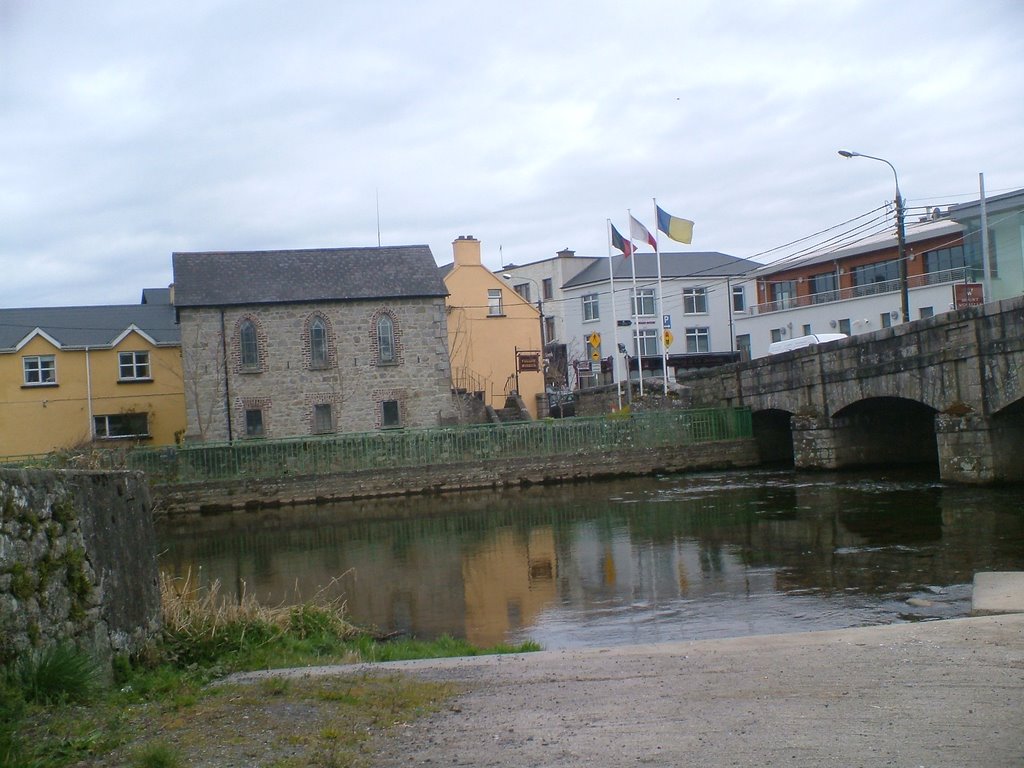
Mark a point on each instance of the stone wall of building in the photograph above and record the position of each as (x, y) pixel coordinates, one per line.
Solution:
(214, 496)
(287, 387)
(77, 561)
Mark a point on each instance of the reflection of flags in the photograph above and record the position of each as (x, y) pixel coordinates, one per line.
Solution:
(621, 243)
(638, 231)
(680, 230)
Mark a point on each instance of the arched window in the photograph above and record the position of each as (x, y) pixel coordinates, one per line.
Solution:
(318, 343)
(385, 339)
(249, 348)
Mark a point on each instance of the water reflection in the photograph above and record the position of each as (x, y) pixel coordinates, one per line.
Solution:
(645, 560)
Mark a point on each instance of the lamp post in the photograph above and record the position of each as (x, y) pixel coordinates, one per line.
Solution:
(901, 238)
(540, 304)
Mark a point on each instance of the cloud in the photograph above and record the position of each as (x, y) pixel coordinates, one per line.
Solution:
(136, 129)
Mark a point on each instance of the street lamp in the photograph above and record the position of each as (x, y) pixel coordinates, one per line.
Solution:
(540, 304)
(901, 238)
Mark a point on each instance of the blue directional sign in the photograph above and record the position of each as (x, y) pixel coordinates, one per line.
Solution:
(666, 320)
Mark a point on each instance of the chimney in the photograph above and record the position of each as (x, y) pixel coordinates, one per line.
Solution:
(565, 253)
(467, 251)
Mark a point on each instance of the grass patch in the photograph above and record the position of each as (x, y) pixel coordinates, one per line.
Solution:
(159, 712)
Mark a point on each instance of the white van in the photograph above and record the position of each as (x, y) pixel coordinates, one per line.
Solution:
(803, 341)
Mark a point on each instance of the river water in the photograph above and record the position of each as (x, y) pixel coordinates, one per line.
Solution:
(633, 561)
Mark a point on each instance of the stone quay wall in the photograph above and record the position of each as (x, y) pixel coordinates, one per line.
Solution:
(77, 562)
(216, 496)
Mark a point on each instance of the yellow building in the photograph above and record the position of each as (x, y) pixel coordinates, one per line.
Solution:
(71, 376)
(493, 333)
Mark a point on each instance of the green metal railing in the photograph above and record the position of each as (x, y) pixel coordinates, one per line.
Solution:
(439, 446)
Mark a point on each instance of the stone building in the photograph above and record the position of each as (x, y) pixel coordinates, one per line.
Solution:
(312, 342)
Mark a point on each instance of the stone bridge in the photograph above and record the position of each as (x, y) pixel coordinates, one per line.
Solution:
(948, 390)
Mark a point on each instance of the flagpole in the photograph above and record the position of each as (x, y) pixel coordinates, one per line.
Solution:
(661, 306)
(615, 324)
(636, 319)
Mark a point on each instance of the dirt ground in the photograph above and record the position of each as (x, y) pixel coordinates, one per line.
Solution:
(943, 693)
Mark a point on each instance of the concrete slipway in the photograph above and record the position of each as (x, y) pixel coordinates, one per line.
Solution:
(942, 693)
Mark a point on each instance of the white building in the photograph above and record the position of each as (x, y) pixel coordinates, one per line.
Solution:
(700, 299)
(856, 289)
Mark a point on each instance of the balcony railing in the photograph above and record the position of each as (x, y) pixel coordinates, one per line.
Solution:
(958, 275)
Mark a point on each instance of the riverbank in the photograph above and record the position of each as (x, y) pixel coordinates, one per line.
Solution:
(272, 490)
(942, 693)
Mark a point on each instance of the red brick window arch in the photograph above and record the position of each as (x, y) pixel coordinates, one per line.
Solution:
(249, 345)
(385, 338)
(318, 347)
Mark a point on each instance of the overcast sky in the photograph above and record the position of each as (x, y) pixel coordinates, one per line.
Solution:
(130, 130)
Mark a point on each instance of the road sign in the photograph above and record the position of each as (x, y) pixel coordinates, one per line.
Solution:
(668, 337)
(595, 355)
(595, 340)
(666, 320)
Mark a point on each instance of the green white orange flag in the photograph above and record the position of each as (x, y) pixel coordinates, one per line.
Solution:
(618, 241)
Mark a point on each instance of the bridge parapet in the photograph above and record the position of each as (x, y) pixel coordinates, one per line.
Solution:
(966, 367)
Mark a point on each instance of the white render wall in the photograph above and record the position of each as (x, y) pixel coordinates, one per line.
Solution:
(716, 319)
(864, 313)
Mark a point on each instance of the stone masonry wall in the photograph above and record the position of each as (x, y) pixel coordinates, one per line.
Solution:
(77, 561)
(251, 494)
(287, 387)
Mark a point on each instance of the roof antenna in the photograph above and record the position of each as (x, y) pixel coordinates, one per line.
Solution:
(501, 256)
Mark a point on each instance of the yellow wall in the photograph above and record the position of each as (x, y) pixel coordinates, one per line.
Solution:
(484, 345)
(40, 419)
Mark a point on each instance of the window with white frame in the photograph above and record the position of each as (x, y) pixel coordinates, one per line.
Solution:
(591, 308)
(743, 346)
(39, 370)
(695, 301)
(121, 425)
(133, 366)
(698, 340)
(494, 308)
(643, 302)
(739, 299)
(647, 343)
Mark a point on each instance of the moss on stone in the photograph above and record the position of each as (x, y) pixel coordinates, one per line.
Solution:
(22, 584)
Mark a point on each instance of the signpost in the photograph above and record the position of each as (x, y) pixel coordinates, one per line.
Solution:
(968, 295)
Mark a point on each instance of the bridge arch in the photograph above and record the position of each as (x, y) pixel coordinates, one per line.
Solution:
(884, 431)
(773, 432)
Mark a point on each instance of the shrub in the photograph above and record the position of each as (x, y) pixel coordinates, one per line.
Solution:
(156, 756)
(60, 673)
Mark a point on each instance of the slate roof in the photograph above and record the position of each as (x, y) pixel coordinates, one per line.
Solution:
(156, 295)
(694, 264)
(323, 274)
(79, 327)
